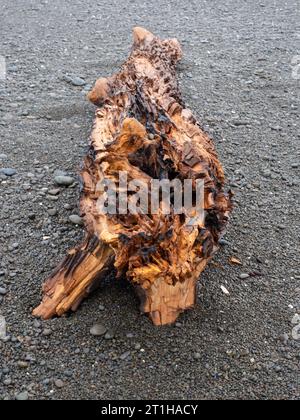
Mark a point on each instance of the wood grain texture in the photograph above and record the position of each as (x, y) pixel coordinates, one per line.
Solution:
(143, 128)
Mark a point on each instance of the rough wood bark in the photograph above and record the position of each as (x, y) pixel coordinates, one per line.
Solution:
(142, 127)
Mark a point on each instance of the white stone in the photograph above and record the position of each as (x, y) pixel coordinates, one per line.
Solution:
(2, 328)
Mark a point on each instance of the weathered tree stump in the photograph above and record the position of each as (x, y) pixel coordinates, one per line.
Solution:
(142, 128)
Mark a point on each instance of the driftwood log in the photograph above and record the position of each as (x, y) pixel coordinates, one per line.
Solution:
(143, 128)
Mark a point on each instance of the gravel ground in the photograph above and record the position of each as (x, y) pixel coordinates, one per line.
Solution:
(237, 76)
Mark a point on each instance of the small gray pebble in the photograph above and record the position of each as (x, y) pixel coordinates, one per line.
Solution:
(75, 81)
(64, 181)
(36, 323)
(46, 332)
(8, 171)
(55, 191)
(98, 330)
(23, 396)
(223, 242)
(284, 338)
(76, 220)
(7, 382)
(109, 335)
(125, 355)
(52, 212)
(22, 364)
(59, 383)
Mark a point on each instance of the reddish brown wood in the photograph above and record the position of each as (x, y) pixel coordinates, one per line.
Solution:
(142, 127)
